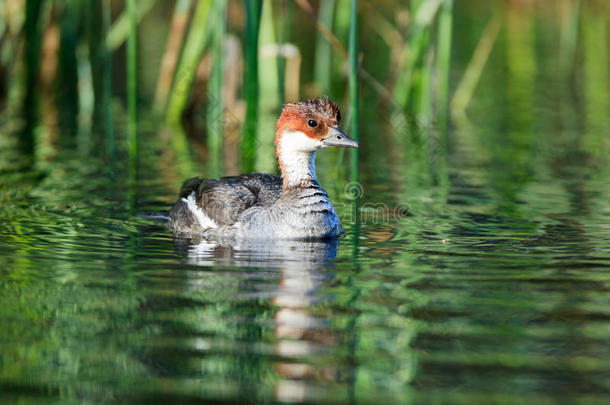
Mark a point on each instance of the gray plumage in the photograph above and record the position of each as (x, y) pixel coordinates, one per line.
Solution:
(255, 206)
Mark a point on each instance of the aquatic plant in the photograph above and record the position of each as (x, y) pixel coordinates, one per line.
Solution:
(248, 144)
(203, 72)
(353, 87)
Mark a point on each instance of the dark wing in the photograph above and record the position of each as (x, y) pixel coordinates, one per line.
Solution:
(190, 185)
(224, 199)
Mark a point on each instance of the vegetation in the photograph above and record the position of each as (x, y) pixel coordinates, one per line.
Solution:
(196, 58)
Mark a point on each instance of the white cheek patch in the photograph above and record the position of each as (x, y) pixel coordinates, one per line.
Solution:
(204, 221)
(298, 142)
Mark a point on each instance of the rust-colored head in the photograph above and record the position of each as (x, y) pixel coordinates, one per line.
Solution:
(313, 118)
(303, 128)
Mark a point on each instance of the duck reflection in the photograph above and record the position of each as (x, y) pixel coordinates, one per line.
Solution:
(298, 333)
(293, 254)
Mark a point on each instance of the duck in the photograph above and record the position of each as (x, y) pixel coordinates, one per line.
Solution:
(291, 205)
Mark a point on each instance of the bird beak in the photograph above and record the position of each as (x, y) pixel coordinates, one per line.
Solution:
(338, 138)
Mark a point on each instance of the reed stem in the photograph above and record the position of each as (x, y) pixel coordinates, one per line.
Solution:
(596, 73)
(423, 16)
(215, 102)
(132, 99)
(172, 52)
(323, 56)
(33, 33)
(353, 85)
(445, 25)
(107, 84)
(67, 81)
(283, 38)
(444, 64)
(195, 44)
(248, 149)
(121, 28)
(467, 84)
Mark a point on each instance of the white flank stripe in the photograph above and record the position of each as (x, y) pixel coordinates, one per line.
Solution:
(202, 218)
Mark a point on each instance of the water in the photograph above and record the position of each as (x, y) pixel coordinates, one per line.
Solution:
(479, 298)
(471, 271)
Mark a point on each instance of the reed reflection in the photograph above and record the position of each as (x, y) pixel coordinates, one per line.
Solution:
(298, 333)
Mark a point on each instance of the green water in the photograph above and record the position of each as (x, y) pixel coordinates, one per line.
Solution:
(475, 267)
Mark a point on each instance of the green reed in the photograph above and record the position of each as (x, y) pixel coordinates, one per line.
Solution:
(248, 146)
(422, 82)
(67, 82)
(269, 53)
(169, 60)
(353, 86)
(106, 98)
(341, 20)
(467, 84)
(132, 101)
(132, 79)
(423, 15)
(568, 37)
(121, 29)
(597, 83)
(270, 91)
(215, 110)
(195, 44)
(443, 71)
(283, 36)
(323, 55)
(33, 36)
(444, 64)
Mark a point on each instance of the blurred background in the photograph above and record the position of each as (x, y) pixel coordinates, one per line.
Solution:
(209, 78)
(475, 262)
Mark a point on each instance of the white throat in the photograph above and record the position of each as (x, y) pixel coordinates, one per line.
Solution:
(297, 154)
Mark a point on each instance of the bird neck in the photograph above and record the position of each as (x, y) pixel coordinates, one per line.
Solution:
(299, 170)
(298, 167)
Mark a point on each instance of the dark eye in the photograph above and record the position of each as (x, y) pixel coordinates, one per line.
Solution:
(312, 123)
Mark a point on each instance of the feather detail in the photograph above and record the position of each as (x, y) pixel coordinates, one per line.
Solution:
(204, 221)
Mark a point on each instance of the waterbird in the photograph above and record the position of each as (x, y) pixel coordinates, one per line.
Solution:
(268, 206)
